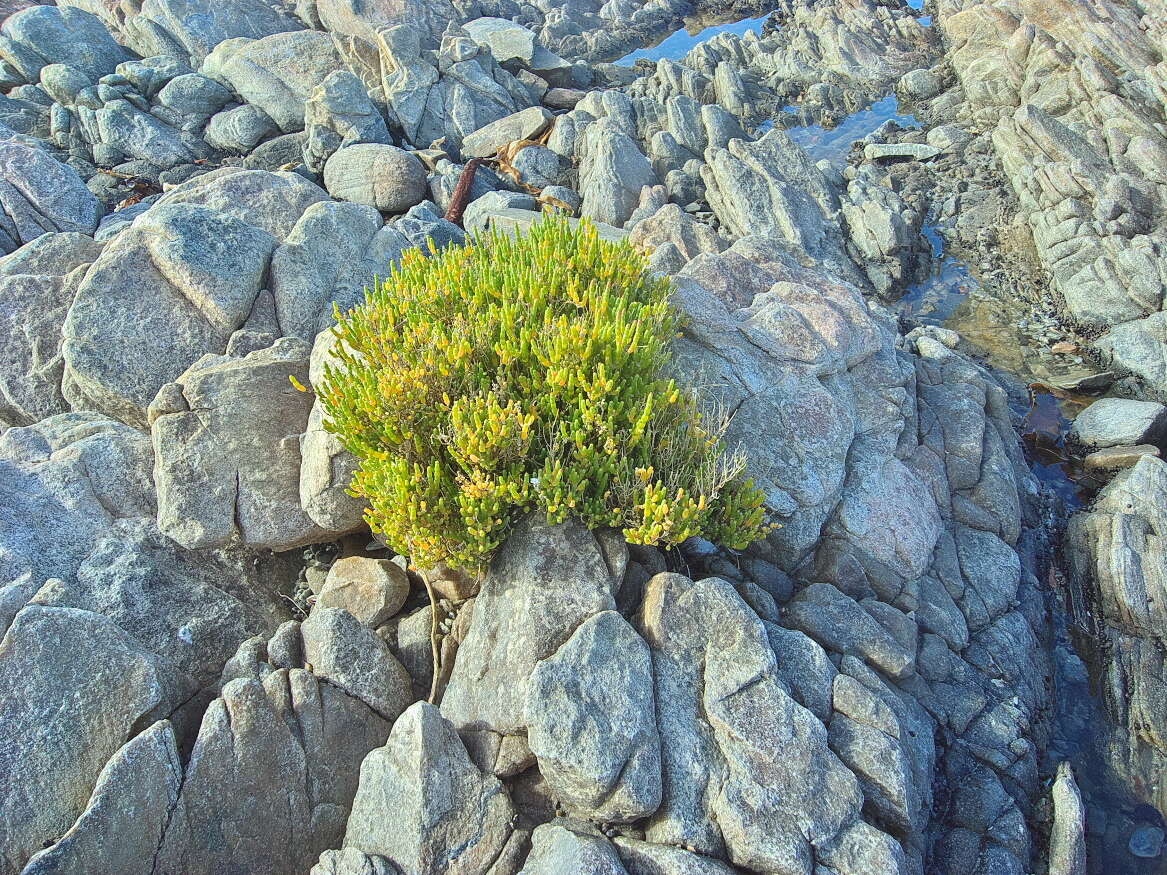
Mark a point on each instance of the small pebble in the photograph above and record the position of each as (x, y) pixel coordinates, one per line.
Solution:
(1146, 842)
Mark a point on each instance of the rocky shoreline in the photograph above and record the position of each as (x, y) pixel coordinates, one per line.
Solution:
(207, 664)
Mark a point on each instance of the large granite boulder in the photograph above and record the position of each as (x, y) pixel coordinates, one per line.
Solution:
(376, 175)
(227, 448)
(272, 201)
(168, 290)
(424, 805)
(278, 73)
(107, 626)
(613, 172)
(329, 258)
(192, 28)
(37, 285)
(326, 467)
(43, 35)
(39, 194)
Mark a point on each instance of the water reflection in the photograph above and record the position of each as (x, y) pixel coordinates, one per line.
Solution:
(680, 43)
(918, 5)
(834, 144)
(951, 297)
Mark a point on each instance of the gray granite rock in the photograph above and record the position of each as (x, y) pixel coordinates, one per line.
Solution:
(278, 73)
(557, 850)
(239, 130)
(346, 653)
(899, 151)
(424, 224)
(479, 210)
(543, 583)
(1113, 422)
(277, 152)
(840, 623)
(81, 485)
(350, 861)
(339, 113)
(326, 467)
(720, 704)
(917, 85)
(273, 202)
(613, 172)
(37, 285)
(769, 187)
(63, 82)
(645, 858)
(126, 816)
(526, 124)
(376, 175)
(227, 454)
(330, 257)
(506, 40)
(38, 195)
(288, 730)
(85, 682)
(1067, 850)
(428, 17)
(670, 224)
(173, 287)
(192, 28)
(461, 91)
(194, 95)
(372, 590)
(539, 167)
(591, 722)
(43, 35)
(127, 129)
(423, 805)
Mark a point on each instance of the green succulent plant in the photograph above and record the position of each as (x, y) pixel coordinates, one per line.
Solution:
(522, 373)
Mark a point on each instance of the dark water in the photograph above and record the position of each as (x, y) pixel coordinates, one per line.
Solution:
(1080, 727)
(952, 297)
(678, 44)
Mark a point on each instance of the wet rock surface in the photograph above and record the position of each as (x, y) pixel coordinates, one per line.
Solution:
(902, 238)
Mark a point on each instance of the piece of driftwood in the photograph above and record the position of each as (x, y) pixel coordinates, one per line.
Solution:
(462, 192)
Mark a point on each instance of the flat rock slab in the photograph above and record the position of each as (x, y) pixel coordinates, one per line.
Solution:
(893, 151)
(1112, 458)
(1113, 422)
(523, 125)
(506, 40)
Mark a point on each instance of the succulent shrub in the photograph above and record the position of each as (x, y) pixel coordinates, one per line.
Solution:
(519, 373)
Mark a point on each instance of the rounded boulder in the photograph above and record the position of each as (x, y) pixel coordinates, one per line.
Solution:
(377, 175)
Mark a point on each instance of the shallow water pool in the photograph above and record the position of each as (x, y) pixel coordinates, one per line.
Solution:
(834, 144)
(679, 43)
